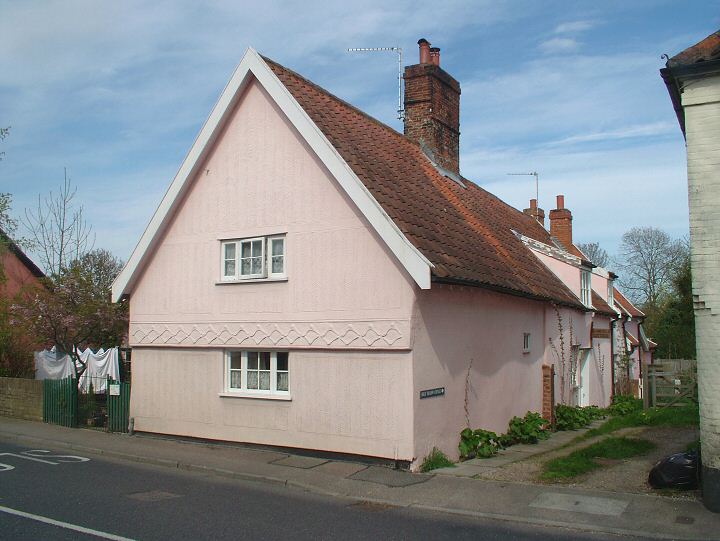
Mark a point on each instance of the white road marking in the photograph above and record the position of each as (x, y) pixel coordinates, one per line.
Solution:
(41, 455)
(59, 458)
(61, 524)
(30, 458)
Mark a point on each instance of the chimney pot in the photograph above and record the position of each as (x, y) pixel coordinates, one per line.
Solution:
(561, 201)
(535, 212)
(424, 51)
(435, 55)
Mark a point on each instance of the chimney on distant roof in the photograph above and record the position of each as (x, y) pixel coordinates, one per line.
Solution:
(561, 223)
(535, 212)
(432, 108)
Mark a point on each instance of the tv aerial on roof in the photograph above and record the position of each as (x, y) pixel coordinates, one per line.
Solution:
(537, 182)
(398, 51)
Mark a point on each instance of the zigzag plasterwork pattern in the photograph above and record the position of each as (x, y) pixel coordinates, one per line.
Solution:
(332, 334)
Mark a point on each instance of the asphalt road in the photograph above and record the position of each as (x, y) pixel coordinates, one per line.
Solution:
(44, 495)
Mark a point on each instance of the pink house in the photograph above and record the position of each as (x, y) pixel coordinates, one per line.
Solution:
(314, 279)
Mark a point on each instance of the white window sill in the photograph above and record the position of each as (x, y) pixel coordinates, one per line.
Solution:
(250, 281)
(240, 394)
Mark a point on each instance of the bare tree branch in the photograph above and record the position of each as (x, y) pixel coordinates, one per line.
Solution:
(59, 232)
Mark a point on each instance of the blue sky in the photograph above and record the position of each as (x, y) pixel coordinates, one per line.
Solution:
(117, 91)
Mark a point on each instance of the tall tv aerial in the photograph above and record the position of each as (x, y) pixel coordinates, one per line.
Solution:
(398, 51)
(537, 182)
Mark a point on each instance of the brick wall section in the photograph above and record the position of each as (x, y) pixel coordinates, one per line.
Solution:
(548, 393)
(432, 112)
(701, 102)
(21, 398)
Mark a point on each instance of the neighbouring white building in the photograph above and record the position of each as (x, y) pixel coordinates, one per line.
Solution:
(693, 80)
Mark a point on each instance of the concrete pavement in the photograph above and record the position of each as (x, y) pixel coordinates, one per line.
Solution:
(630, 514)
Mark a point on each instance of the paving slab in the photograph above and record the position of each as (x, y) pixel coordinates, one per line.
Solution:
(578, 503)
(390, 478)
(296, 461)
(341, 469)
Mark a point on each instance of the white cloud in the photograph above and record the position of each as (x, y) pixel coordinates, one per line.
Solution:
(574, 27)
(559, 45)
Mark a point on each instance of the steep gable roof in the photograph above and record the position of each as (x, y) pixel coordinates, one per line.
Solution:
(433, 224)
(465, 231)
(626, 305)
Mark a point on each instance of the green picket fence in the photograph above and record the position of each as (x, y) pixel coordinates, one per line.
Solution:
(60, 403)
(118, 406)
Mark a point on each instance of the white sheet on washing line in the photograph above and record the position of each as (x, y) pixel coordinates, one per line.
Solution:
(99, 366)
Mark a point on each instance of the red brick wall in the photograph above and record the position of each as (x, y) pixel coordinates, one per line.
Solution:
(548, 393)
(432, 112)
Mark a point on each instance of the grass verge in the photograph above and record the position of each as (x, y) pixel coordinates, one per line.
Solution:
(671, 416)
(436, 459)
(582, 460)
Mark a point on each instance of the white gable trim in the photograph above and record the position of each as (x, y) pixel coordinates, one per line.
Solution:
(417, 265)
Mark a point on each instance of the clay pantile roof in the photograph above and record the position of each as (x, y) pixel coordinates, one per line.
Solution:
(626, 304)
(704, 51)
(465, 232)
(633, 341)
(601, 306)
(5, 240)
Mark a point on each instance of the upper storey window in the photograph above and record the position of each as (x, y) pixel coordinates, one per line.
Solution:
(585, 287)
(253, 258)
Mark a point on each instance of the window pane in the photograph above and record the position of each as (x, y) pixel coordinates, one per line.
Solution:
(235, 360)
(245, 267)
(252, 360)
(256, 265)
(264, 360)
(230, 251)
(264, 381)
(282, 361)
(230, 268)
(278, 246)
(245, 249)
(282, 381)
(235, 379)
(252, 380)
(257, 248)
(277, 264)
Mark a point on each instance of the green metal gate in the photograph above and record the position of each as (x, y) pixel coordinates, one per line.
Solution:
(60, 401)
(118, 406)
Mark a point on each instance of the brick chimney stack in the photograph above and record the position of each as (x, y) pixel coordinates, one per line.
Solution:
(432, 108)
(561, 223)
(535, 212)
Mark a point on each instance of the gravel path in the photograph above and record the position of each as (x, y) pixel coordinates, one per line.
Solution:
(628, 475)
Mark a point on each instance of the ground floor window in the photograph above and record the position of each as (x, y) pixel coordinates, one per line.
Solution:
(258, 372)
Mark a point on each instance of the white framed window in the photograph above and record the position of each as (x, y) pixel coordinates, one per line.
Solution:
(526, 342)
(257, 372)
(585, 287)
(253, 258)
(611, 295)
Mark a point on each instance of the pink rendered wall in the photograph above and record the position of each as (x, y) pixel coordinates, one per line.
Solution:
(342, 401)
(569, 274)
(454, 325)
(344, 291)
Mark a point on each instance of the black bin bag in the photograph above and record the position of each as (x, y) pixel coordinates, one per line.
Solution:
(676, 471)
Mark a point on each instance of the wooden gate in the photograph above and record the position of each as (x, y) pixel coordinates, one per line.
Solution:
(60, 402)
(670, 382)
(118, 406)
